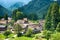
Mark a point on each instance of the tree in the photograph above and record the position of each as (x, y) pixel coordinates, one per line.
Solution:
(48, 19)
(6, 16)
(43, 16)
(33, 16)
(17, 28)
(53, 17)
(59, 9)
(58, 27)
(17, 15)
(1, 17)
(14, 15)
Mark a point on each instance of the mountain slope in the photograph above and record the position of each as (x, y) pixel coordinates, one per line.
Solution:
(8, 10)
(16, 5)
(39, 7)
(3, 11)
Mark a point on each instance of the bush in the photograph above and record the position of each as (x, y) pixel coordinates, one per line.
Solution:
(19, 34)
(55, 36)
(37, 36)
(47, 34)
(28, 33)
(7, 33)
(11, 36)
(2, 37)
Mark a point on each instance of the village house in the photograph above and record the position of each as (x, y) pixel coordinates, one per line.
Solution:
(25, 23)
(36, 27)
(3, 28)
(3, 21)
(41, 23)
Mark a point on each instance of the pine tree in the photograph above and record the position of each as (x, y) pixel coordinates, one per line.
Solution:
(53, 17)
(48, 19)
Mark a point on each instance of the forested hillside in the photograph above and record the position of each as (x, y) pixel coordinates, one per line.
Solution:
(39, 7)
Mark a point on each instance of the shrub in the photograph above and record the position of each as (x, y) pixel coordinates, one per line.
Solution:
(47, 34)
(28, 32)
(37, 36)
(11, 36)
(7, 33)
(19, 34)
(2, 37)
(55, 36)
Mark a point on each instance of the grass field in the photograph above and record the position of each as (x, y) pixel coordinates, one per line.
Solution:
(21, 38)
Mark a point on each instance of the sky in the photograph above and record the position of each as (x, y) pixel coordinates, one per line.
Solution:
(9, 2)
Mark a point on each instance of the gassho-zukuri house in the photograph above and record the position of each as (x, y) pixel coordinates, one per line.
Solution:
(3, 28)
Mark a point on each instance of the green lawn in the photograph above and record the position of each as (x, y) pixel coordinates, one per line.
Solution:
(21, 38)
(2, 37)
